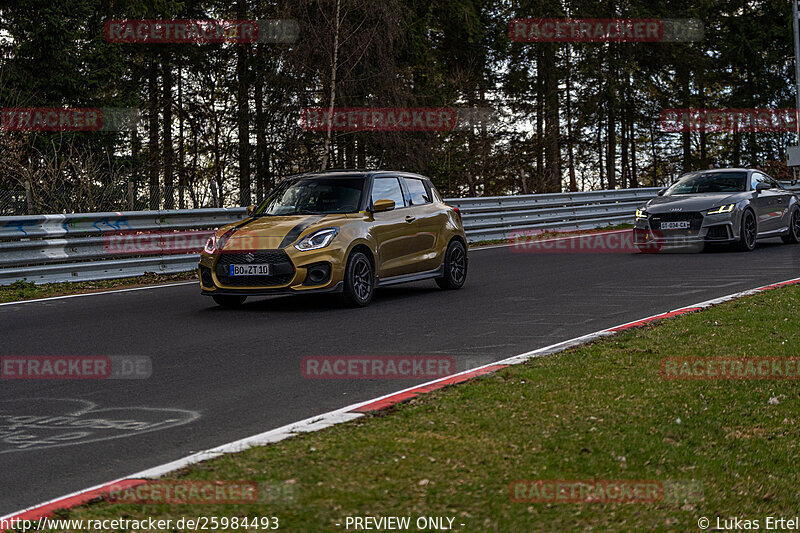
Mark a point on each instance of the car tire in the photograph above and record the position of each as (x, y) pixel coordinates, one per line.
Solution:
(228, 300)
(455, 266)
(359, 281)
(793, 237)
(747, 232)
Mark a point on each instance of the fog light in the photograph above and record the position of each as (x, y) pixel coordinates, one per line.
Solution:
(317, 274)
(205, 277)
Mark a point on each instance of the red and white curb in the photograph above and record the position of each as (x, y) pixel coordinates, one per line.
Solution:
(354, 411)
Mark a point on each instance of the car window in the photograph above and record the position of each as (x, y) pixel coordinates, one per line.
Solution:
(313, 196)
(388, 189)
(436, 195)
(708, 182)
(417, 193)
(758, 177)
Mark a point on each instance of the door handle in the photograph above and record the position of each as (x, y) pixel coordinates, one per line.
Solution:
(410, 218)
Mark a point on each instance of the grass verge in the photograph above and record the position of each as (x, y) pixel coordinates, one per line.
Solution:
(600, 411)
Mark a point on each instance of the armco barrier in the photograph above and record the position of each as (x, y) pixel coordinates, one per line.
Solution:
(52, 248)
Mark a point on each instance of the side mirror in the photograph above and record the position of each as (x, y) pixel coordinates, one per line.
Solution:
(761, 186)
(661, 192)
(250, 210)
(383, 205)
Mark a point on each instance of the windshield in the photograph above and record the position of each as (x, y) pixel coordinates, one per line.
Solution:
(709, 182)
(314, 196)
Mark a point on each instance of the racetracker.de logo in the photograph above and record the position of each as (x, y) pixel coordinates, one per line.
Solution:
(201, 31)
(185, 492)
(542, 30)
(730, 368)
(135, 243)
(75, 367)
(68, 119)
(585, 30)
(377, 367)
(585, 491)
(676, 120)
(379, 119)
(612, 242)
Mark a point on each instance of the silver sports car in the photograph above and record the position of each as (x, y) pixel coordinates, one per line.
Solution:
(735, 206)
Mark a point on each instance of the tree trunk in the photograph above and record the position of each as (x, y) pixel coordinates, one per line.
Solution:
(573, 185)
(181, 152)
(552, 122)
(624, 136)
(634, 183)
(332, 102)
(611, 122)
(152, 135)
(261, 126)
(539, 147)
(600, 172)
(242, 104)
(169, 183)
(686, 140)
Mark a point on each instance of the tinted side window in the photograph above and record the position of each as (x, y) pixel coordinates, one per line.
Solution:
(758, 177)
(417, 193)
(388, 189)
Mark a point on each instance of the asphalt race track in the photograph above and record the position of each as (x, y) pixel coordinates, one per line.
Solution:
(221, 375)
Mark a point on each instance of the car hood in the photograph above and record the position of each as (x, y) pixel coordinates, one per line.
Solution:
(273, 232)
(693, 202)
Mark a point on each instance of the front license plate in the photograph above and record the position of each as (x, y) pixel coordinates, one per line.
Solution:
(256, 269)
(683, 224)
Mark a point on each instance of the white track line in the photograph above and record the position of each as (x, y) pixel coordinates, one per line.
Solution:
(102, 292)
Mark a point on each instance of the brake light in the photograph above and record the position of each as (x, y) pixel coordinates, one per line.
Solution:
(457, 210)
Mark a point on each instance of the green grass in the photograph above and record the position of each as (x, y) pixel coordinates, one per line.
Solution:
(21, 290)
(600, 411)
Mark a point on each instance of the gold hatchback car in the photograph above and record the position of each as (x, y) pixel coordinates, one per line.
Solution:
(338, 231)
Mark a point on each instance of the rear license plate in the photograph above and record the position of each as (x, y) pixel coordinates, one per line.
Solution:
(683, 224)
(256, 269)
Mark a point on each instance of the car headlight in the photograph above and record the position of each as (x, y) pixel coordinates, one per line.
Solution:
(641, 213)
(211, 245)
(318, 239)
(721, 209)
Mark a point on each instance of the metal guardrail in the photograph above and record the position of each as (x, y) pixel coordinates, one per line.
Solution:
(500, 217)
(81, 247)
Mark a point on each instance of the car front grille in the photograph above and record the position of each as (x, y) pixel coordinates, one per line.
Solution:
(695, 221)
(282, 269)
